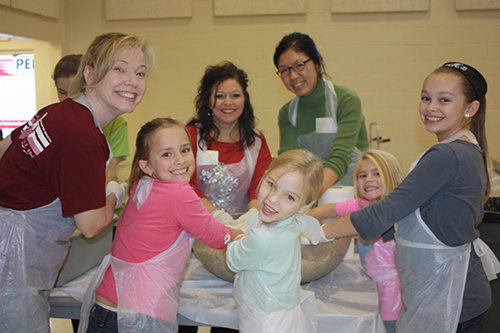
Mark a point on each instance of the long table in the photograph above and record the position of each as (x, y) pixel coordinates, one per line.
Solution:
(346, 299)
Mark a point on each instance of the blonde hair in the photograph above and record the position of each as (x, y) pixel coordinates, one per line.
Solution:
(308, 164)
(101, 55)
(388, 166)
(144, 142)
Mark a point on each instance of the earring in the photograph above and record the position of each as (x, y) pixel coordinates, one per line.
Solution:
(150, 174)
(467, 115)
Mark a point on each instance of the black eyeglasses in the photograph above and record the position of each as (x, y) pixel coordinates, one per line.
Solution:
(297, 67)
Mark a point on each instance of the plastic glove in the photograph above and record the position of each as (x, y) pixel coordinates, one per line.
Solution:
(312, 230)
(119, 190)
(223, 217)
(242, 221)
(323, 237)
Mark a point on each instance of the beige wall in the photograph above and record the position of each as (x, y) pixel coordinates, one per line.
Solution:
(384, 57)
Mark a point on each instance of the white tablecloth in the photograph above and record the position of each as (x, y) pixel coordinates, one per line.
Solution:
(346, 298)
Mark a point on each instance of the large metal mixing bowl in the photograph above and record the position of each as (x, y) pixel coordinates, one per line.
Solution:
(317, 260)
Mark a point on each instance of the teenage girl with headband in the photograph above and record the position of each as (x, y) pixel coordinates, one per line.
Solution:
(443, 266)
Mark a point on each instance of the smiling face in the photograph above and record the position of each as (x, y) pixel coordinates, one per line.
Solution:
(368, 181)
(280, 195)
(227, 101)
(304, 82)
(171, 157)
(443, 106)
(123, 87)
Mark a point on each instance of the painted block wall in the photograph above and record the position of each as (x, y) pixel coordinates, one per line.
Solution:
(384, 57)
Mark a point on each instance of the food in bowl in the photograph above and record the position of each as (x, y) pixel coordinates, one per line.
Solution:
(317, 260)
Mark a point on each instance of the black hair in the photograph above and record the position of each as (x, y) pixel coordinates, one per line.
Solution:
(204, 118)
(301, 43)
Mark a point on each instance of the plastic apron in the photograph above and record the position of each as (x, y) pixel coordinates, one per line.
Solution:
(148, 292)
(33, 247)
(226, 185)
(432, 274)
(300, 319)
(321, 142)
(380, 266)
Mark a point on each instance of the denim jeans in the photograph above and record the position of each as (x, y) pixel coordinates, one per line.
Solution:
(390, 326)
(102, 320)
(471, 326)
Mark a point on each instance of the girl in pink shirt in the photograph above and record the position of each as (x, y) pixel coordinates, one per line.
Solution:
(140, 288)
(376, 174)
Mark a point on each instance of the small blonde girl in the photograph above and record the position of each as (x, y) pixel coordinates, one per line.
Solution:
(376, 174)
(267, 259)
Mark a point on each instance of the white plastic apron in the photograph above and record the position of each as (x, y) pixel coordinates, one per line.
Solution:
(321, 143)
(33, 246)
(300, 319)
(432, 274)
(233, 200)
(148, 292)
(432, 277)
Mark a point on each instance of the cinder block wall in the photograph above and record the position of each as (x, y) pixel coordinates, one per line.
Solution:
(382, 56)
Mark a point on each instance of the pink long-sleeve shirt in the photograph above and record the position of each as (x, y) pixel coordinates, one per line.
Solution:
(171, 207)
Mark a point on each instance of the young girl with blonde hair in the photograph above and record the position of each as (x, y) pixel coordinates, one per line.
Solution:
(376, 174)
(267, 259)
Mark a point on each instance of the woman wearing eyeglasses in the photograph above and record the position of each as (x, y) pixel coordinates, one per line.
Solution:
(323, 118)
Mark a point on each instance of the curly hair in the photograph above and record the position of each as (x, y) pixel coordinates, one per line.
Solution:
(204, 119)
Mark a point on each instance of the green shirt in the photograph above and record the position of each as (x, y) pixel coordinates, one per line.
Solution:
(351, 130)
(117, 135)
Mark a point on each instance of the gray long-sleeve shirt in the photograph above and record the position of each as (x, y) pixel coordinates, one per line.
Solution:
(448, 185)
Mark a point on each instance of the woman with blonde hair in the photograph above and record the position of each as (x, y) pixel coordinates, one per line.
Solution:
(56, 164)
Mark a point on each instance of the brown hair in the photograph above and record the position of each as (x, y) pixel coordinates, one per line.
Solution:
(67, 66)
(477, 122)
(143, 144)
(204, 116)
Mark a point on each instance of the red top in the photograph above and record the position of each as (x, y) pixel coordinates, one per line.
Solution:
(230, 153)
(60, 153)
